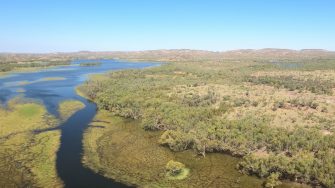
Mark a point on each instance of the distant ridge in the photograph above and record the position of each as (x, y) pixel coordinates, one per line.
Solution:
(168, 55)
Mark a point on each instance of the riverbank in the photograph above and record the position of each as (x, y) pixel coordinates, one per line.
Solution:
(212, 107)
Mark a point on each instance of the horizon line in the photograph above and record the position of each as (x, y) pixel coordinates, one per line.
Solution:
(171, 49)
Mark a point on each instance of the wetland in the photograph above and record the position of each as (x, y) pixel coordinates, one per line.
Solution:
(178, 124)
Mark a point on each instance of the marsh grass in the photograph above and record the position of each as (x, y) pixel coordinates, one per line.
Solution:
(25, 82)
(28, 159)
(69, 107)
(20, 90)
(51, 79)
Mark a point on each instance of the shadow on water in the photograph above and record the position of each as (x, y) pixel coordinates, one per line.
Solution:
(69, 166)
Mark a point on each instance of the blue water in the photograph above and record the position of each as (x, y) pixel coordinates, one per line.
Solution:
(51, 93)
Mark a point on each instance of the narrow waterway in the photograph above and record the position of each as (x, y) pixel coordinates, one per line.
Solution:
(69, 155)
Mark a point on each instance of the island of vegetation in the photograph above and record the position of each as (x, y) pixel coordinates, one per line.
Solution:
(19, 66)
(277, 114)
(67, 108)
(176, 170)
(90, 64)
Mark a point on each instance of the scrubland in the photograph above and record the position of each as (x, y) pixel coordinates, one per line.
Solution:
(277, 115)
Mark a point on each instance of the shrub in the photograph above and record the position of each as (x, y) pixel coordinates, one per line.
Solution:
(272, 180)
(174, 168)
(176, 140)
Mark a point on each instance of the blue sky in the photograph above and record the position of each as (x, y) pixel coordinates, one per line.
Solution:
(108, 25)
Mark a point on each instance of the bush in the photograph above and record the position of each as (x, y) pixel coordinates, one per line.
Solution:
(176, 140)
(174, 168)
(272, 180)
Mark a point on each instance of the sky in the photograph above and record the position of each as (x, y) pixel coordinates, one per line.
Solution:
(127, 25)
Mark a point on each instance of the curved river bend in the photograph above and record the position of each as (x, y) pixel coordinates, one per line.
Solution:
(51, 93)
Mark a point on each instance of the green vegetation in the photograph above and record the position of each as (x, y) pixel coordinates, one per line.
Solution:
(90, 64)
(28, 159)
(68, 108)
(51, 79)
(25, 82)
(176, 170)
(317, 85)
(137, 159)
(24, 65)
(272, 180)
(213, 107)
(20, 90)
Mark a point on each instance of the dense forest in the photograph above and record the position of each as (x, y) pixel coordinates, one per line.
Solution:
(277, 115)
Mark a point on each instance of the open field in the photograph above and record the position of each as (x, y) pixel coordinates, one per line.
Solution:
(281, 127)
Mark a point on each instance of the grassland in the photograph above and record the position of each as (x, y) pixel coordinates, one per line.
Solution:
(282, 128)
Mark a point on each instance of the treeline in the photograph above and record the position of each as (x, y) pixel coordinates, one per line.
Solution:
(196, 121)
(5, 67)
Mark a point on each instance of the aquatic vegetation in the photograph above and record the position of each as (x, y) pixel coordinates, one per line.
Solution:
(51, 79)
(25, 82)
(28, 158)
(30, 64)
(20, 118)
(90, 64)
(20, 90)
(137, 158)
(69, 107)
